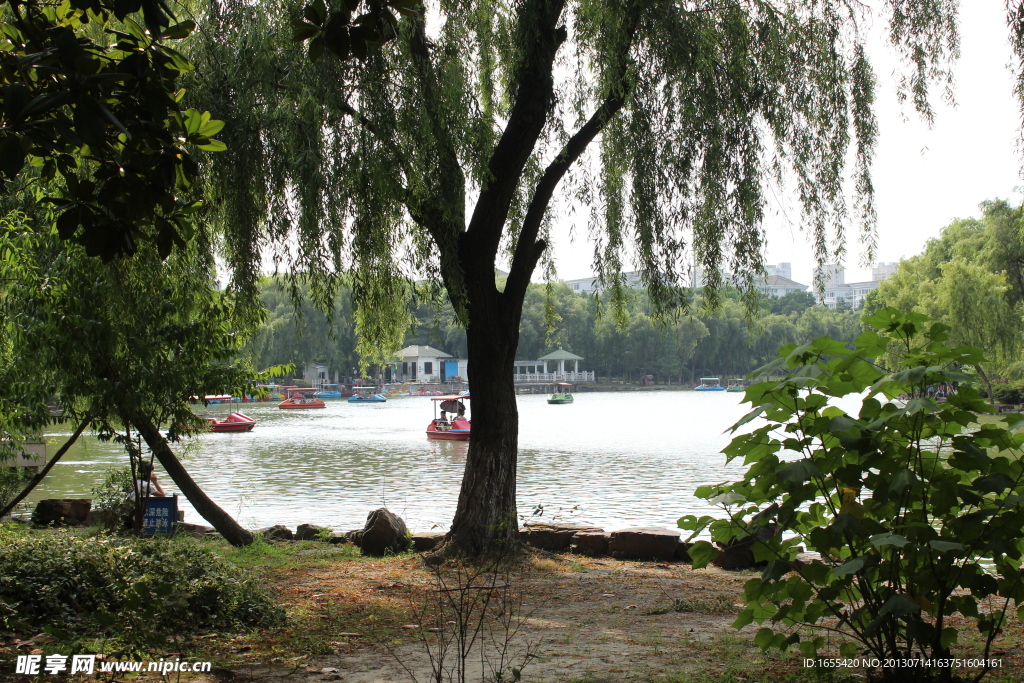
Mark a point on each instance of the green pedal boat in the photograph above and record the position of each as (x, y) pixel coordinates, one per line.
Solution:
(560, 393)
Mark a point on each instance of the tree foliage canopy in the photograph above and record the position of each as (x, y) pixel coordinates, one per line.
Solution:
(972, 279)
(451, 139)
(91, 115)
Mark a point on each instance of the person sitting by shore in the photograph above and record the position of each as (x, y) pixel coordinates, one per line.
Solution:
(146, 485)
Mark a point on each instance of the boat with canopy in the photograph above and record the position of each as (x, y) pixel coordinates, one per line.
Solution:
(453, 424)
(300, 399)
(560, 393)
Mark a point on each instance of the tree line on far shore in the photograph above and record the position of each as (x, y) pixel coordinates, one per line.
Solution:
(624, 347)
(971, 278)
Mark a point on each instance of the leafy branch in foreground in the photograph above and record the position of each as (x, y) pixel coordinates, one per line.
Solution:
(91, 108)
(917, 512)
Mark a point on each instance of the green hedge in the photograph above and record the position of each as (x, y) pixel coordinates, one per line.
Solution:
(130, 589)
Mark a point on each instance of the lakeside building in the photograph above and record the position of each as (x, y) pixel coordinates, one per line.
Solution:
(422, 363)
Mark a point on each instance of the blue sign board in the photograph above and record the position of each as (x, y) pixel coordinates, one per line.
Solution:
(161, 516)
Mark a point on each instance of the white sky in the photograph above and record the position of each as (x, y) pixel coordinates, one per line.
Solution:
(923, 178)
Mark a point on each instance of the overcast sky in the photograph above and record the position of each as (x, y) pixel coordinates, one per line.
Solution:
(924, 178)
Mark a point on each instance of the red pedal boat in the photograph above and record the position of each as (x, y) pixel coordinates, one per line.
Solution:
(235, 422)
(452, 425)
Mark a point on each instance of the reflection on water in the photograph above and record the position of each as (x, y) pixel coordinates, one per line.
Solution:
(620, 459)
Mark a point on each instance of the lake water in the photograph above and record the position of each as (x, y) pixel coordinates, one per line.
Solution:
(610, 459)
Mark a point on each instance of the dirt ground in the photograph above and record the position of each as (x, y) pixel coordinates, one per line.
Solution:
(585, 620)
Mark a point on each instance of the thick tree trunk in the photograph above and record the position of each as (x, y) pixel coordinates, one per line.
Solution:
(487, 518)
(46, 470)
(210, 511)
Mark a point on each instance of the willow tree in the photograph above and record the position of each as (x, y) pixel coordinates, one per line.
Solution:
(452, 147)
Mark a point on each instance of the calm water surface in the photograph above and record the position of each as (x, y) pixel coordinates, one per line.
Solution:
(619, 459)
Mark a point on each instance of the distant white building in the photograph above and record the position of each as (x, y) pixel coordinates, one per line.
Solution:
(632, 278)
(834, 274)
(318, 375)
(586, 285)
(838, 291)
(776, 285)
(882, 271)
(422, 363)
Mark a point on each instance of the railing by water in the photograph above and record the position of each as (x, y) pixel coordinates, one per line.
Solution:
(585, 376)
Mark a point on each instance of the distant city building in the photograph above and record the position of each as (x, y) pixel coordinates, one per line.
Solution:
(782, 270)
(587, 285)
(833, 274)
(882, 271)
(776, 285)
(838, 291)
(632, 279)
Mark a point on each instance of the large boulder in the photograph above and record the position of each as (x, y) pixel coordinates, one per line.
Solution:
(278, 532)
(62, 512)
(427, 540)
(384, 532)
(683, 551)
(593, 543)
(338, 538)
(552, 536)
(308, 532)
(194, 530)
(644, 543)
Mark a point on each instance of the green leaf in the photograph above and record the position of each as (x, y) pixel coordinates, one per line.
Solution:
(181, 30)
(744, 618)
(12, 157)
(902, 480)
(727, 498)
(997, 482)
(898, 606)
(948, 637)
(211, 128)
(764, 638)
(701, 553)
(879, 540)
(315, 12)
(851, 566)
(303, 30)
(213, 146)
(316, 48)
(943, 546)
(798, 472)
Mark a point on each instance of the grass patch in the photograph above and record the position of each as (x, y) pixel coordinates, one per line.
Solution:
(716, 604)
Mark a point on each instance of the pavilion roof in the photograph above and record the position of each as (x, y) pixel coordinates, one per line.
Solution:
(422, 351)
(560, 355)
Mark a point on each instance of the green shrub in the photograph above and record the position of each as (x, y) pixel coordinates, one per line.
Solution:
(1006, 393)
(917, 513)
(110, 499)
(135, 591)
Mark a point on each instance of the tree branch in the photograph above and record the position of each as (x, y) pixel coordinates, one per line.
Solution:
(534, 95)
(49, 466)
(529, 249)
(374, 130)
